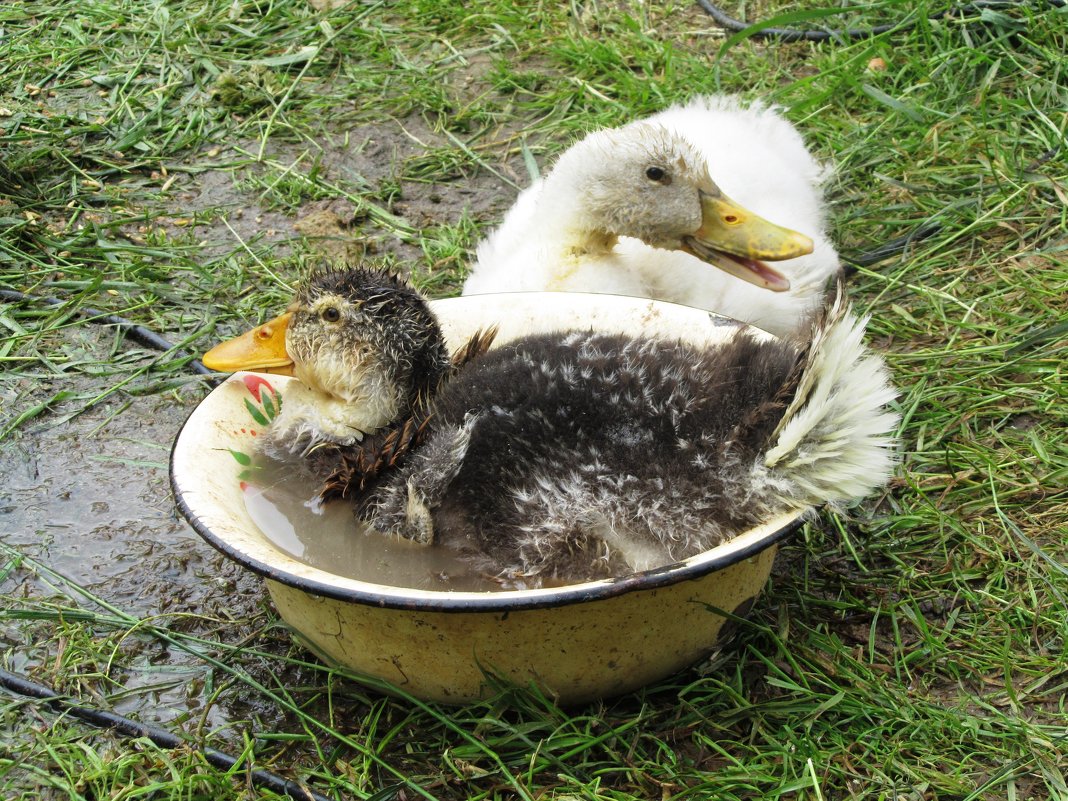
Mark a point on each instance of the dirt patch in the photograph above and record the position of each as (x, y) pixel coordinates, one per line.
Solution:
(375, 167)
(221, 218)
(329, 227)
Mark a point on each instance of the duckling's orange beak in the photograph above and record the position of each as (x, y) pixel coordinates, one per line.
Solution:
(737, 241)
(262, 349)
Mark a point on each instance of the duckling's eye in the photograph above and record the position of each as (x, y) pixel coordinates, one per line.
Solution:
(658, 174)
(331, 314)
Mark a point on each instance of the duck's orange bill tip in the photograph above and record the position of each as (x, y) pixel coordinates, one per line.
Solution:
(262, 349)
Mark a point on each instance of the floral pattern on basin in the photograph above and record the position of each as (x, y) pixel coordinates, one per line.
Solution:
(263, 407)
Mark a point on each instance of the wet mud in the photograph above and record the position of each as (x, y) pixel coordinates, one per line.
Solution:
(90, 500)
(221, 209)
(86, 494)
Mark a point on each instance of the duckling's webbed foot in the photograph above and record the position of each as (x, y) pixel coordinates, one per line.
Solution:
(404, 504)
(405, 513)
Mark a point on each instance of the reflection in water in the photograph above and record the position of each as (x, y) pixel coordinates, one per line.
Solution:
(282, 504)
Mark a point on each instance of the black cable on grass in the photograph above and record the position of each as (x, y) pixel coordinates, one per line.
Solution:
(891, 247)
(726, 21)
(20, 685)
(130, 329)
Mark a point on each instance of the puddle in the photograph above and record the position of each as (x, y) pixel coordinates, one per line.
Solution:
(91, 500)
(96, 505)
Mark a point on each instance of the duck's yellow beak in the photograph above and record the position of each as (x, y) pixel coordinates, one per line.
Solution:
(737, 241)
(262, 349)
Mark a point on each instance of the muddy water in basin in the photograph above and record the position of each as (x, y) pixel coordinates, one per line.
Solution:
(329, 537)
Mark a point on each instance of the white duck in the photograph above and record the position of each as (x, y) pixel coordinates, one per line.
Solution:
(637, 210)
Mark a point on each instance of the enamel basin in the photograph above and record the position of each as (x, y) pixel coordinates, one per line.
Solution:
(577, 642)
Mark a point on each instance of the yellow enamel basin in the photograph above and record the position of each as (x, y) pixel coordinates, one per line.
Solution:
(577, 642)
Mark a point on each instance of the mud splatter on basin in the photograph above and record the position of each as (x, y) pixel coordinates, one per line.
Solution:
(578, 642)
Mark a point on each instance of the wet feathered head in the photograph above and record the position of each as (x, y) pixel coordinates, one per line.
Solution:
(343, 325)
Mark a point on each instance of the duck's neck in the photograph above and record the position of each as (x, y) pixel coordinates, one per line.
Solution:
(576, 239)
(309, 418)
(587, 243)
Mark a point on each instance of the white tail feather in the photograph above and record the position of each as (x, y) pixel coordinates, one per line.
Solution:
(835, 442)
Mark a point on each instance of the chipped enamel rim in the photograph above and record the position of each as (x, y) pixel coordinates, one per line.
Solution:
(228, 528)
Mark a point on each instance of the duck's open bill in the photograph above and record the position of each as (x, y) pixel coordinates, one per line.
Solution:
(737, 241)
(262, 349)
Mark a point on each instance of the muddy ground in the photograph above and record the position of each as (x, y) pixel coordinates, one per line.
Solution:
(87, 493)
(223, 206)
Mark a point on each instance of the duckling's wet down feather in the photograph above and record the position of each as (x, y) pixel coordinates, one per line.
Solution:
(592, 455)
(584, 455)
(579, 454)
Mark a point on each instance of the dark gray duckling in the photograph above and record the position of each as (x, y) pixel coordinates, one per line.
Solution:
(573, 455)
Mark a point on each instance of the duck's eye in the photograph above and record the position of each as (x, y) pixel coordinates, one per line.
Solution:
(331, 314)
(658, 174)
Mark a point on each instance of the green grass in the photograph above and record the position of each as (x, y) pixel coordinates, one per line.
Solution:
(914, 648)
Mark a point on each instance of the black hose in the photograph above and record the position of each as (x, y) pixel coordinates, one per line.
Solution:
(893, 246)
(20, 685)
(130, 329)
(724, 20)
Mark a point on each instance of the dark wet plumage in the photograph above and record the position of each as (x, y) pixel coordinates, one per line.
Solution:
(578, 455)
